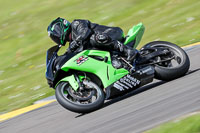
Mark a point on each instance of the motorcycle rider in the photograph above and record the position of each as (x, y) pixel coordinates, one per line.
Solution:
(83, 33)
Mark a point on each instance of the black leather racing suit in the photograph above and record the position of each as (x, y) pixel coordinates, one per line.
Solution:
(83, 29)
(92, 35)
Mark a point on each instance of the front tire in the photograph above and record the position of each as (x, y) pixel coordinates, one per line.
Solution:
(170, 72)
(63, 91)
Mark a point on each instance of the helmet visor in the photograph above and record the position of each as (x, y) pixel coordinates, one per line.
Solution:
(55, 39)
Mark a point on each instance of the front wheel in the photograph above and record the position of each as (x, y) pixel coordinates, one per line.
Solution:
(88, 99)
(171, 69)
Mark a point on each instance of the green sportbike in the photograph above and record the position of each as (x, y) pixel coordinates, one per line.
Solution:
(84, 80)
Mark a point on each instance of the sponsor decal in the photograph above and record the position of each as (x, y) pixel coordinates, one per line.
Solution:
(81, 60)
(126, 83)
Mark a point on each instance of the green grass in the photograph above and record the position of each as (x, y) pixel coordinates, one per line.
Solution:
(24, 40)
(188, 125)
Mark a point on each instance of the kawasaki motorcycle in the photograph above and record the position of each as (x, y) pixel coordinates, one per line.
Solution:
(84, 80)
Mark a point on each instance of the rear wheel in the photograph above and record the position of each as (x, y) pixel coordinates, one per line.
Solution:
(174, 65)
(88, 99)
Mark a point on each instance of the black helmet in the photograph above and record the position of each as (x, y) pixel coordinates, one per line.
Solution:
(58, 30)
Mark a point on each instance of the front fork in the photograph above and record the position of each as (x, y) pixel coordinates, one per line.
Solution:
(80, 84)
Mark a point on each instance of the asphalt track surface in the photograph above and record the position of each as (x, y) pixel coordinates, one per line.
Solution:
(141, 110)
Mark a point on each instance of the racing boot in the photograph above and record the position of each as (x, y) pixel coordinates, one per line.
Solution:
(129, 52)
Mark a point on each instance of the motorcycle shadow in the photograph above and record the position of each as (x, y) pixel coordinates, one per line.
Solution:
(192, 71)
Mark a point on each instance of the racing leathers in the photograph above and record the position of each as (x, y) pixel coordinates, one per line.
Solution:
(92, 35)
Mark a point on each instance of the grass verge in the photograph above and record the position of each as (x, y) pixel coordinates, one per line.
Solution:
(190, 124)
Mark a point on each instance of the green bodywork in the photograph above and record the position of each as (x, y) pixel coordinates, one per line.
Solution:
(102, 69)
(71, 79)
(135, 33)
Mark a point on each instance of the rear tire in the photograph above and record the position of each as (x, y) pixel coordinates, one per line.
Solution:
(170, 73)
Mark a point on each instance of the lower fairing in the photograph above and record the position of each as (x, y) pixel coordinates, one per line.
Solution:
(130, 82)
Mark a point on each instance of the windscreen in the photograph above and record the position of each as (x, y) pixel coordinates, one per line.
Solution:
(50, 52)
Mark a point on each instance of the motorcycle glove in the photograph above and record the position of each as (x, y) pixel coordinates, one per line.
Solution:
(74, 45)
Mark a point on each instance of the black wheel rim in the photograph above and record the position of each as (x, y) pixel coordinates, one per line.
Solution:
(87, 96)
(176, 55)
